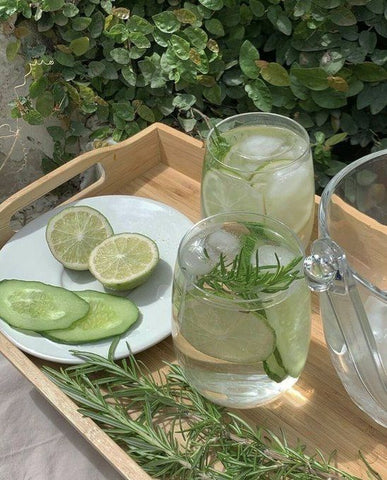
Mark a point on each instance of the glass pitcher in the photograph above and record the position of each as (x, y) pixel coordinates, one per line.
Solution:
(348, 266)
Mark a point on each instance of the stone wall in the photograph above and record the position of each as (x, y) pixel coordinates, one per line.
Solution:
(21, 145)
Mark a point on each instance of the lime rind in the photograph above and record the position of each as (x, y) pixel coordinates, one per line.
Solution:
(72, 234)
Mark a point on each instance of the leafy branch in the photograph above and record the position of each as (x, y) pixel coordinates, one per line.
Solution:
(175, 433)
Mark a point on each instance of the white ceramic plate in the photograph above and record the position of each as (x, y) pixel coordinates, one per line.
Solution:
(26, 256)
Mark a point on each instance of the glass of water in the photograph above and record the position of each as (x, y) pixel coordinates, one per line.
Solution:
(260, 162)
(241, 308)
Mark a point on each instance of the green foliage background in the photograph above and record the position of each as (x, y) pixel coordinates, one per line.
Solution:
(121, 65)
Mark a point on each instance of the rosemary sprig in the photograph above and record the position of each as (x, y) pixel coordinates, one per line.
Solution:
(242, 278)
(175, 433)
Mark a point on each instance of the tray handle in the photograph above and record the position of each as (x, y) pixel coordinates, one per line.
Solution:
(107, 158)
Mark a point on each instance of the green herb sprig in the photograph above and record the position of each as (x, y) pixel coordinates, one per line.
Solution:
(175, 433)
(242, 278)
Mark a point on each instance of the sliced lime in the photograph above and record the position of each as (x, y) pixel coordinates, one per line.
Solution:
(224, 193)
(73, 233)
(124, 261)
(231, 335)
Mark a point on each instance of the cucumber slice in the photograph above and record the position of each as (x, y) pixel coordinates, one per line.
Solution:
(109, 315)
(274, 368)
(38, 306)
(290, 319)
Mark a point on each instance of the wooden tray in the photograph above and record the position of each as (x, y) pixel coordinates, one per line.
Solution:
(165, 165)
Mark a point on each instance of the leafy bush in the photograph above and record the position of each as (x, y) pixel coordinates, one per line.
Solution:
(126, 64)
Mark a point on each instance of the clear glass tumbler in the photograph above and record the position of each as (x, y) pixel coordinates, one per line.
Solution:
(260, 162)
(241, 308)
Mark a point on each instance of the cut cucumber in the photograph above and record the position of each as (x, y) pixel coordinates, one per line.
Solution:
(290, 319)
(38, 306)
(109, 315)
(274, 368)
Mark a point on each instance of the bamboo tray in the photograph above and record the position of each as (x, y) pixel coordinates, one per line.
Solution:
(165, 165)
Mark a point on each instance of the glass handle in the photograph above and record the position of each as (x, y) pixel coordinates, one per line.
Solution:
(328, 273)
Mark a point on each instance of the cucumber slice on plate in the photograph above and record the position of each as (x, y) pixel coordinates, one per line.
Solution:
(109, 315)
(38, 306)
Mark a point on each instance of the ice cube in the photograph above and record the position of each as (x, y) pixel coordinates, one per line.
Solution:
(195, 259)
(267, 255)
(223, 243)
(263, 146)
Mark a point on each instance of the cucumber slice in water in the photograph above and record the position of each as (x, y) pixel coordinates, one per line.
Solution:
(38, 306)
(109, 315)
(290, 319)
(274, 368)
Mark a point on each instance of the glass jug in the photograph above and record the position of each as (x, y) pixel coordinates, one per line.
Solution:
(348, 266)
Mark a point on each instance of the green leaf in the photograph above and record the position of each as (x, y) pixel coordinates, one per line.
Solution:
(101, 133)
(56, 133)
(329, 98)
(166, 22)
(248, 55)
(80, 45)
(97, 25)
(185, 16)
(368, 40)
(343, 16)
(124, 110)
(257, 7)
(275, 74)
(184, 101)
(120, 55)
(12, 50)
(110, 70)
(139, 24)
(70, 10)
(332, 62)
(146, 113)
(215, 27)
(188, 124)
(213, 94)
(197, 37)
(51, 5)
(80, 23)
(45, 104)
(38, 86)
(260, 94)
(335, 139)
(369, 72)
(33, 117)
(212, 4)
(139, 39)
(95, 69)
(64, 59)
(129, 74)
(314, 78)
(180, 47)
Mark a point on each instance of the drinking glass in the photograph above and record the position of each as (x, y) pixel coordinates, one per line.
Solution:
(241, 308)
(348, 266)
(262, 163)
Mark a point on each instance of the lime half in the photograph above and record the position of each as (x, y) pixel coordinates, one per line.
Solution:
(73, 233)
(222, 192)
(225, 334)
(124, 261)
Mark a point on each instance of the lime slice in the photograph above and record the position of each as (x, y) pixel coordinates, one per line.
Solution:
(124, 261)
(231, 335)
(73, 233)
(224, 193)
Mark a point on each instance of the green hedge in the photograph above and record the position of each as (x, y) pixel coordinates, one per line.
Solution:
(126, 64)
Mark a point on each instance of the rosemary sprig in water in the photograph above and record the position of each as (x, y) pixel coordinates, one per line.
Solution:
(175, 433)
(246, 279)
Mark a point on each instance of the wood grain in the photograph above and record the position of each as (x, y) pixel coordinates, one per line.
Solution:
(165, 165)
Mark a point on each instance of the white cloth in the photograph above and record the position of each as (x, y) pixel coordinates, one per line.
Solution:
(36, 442)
